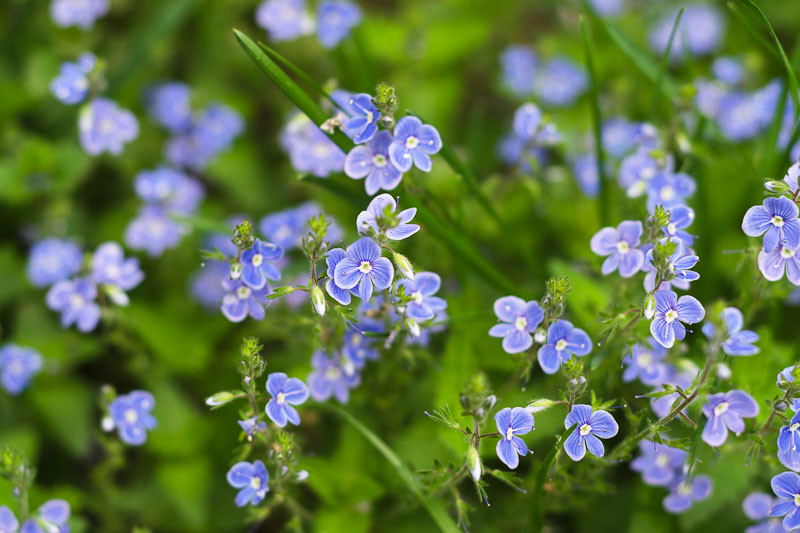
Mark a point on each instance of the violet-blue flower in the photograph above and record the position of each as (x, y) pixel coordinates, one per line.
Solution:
(71, 86)
(659, 464)
(335, 19)
(737, 341)
(381, 206)
(776, 219)
(680, 262)
(511, 423)
(620, 245)
(423, 305)
(252, 479)
(518, 321)
(285, 392)
(780, 260)
(638, 169)
(106, 127)
(671, 311)
(584, 167)
(110, 267)
(786, 487)
(518, 65)
(152, 231)
(646, 363)
(589, 425)
(284, 20)
(789, 444)
(725, 411)
(75, 300)
(364, 267)
(527, 120)
(51, 517)
(669, 189)
(131, 414)
(331, 376)
(680, 218)
(414, 143)
(53, 260)
(214, 129)
(699, 32)
(332, 258)
(81, 13)
(251, 426)
(363, 122)
(358, 348)
(8, 522)
(170, 189)
(169, 104)
(18, 364)
(372, 161)
(684, 493)
(563, 341)
(242, 300)
(257, 265)
(728, 70)
(309, 149)
(559, 82)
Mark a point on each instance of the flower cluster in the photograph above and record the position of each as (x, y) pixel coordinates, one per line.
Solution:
(76, 284)
(530, 139)
(18, 365)
(51, 517)
(285, 20)
(81, 13)
(556, 83)
(130, 414)
(699, 33)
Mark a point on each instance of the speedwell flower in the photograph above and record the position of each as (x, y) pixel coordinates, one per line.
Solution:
(519, 319)
(589, 426)
(131, 416)
(776, 219)
(252, 479)
(257, 265)
(671, 311)
(510, 423)
(374, 217)
(364, 267)
(620, 245)
(779, 261)
(789, 444)
(414, 143)
(563, 341)
(423, 305)
(725, 411)
(737, 341)
(372, 161)
(18, 364)
(786, 487)
(285, 391)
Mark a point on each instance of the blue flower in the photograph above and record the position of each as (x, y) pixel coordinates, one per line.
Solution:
(782, 259)
(363, 122)
(728, 70)
(787, 375)
(620, 245)
(213, 130)
(332, 258)
(17, 366)
(619, 136)
(510, 424)
(106, 127)
(684, 378)
(666, 325)
(51, 517)
(514, 151)
(53, 260)
(638, 169)
(786, 487)
(257, 265)
(284, 228)
(590, 426)
(699, 32)
(659, 464)
(372, 161)
(680, 263)
(680, 218)
(358, 349)
(684, 493)
(527, 120)
(776, 219)
(789, 444)
(518, 65)
(252, 479)
(792, 176)
(364, 267)
(131, 416)
(377, 210)
(309, 149)
(109, 267)
(423, 305)
(559, 82)
(331, 376)
(742, 116)
(284, 20)
(413, 143)
(335, 19)
(725, 411)
(669, 189)
(242, 300)
(756, 506)
(518, 320)
(646, 363)
(75, 300)
(169, 104)
(72, 84)
(81, 13)
(563, 341)
(168, 188)
(152, 231)
(608, 8)
(251, 426)
(738, 341)
(285, 392)
(584, 167)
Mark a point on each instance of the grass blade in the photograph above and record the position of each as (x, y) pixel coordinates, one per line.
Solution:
(434, 508)
(662, 68)
(538, 511)
(597, 125)
(785, 60)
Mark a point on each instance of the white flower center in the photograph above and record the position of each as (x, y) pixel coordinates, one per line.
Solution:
(644, 359)
(647, 173)
(333, 373)
(356, 339)
(255, 482)
(797, 500)
(721, 408)
(370, 115)
(131, 416)
(671, 316)
(671, 228)
(794, 427)
(281, 398)
(412, 142)
(320, 150)
(509, 433)
(560, 345)
(379, 160)
(684, 488)
(786, 253)
(106, 126)
(417, 297)
(365, 267)
(662, 460)
(585, 429)
(667, 193)
(623, 247)
(777, 221)
(76, 300)
(257, 260)
(521, 323)
(243, 293)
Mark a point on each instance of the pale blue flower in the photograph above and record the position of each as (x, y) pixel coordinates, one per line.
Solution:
(284, 20)
(81, 13)
(335, 19)
(372, 162)
(252, 479)
(590, 427)
(106, 127)
(18, 365)
(511, 423)
(737, 341)
(381, 206)
(518, 321)
(563, 341)
(132, 416)
(51, 260)
(75, 300)
(414, 143)
(671, 311)
(72, 84)
(285, 392)
(725, 411)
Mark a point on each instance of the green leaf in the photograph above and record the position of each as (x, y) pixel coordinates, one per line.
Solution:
(785, 60)
(597, 122)
(662, 68)
(538, 513)
(434, 508)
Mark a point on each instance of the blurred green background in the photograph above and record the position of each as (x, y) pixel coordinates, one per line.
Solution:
(442, 57)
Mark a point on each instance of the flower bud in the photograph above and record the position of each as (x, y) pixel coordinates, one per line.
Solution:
(540, 336)
(473, 463)
(116, 295)
(412, 327)
(220, 398)
(649, 307)
(539, 405)
(723, 371)
(107, 423)
(236, 271)
(318, 299)
(777, 186)
(490, 401)
(403, 265)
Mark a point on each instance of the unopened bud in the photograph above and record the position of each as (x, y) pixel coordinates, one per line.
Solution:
(723, 371)
(539, 405)
(116, 295)
(236, 271)
(649, 307)
(473, 463)
(220, 398)
(318, 299)
(404, 265)
(490, 401)
(412, 327)
(107, 423)
(777, 186)
(540, 336)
